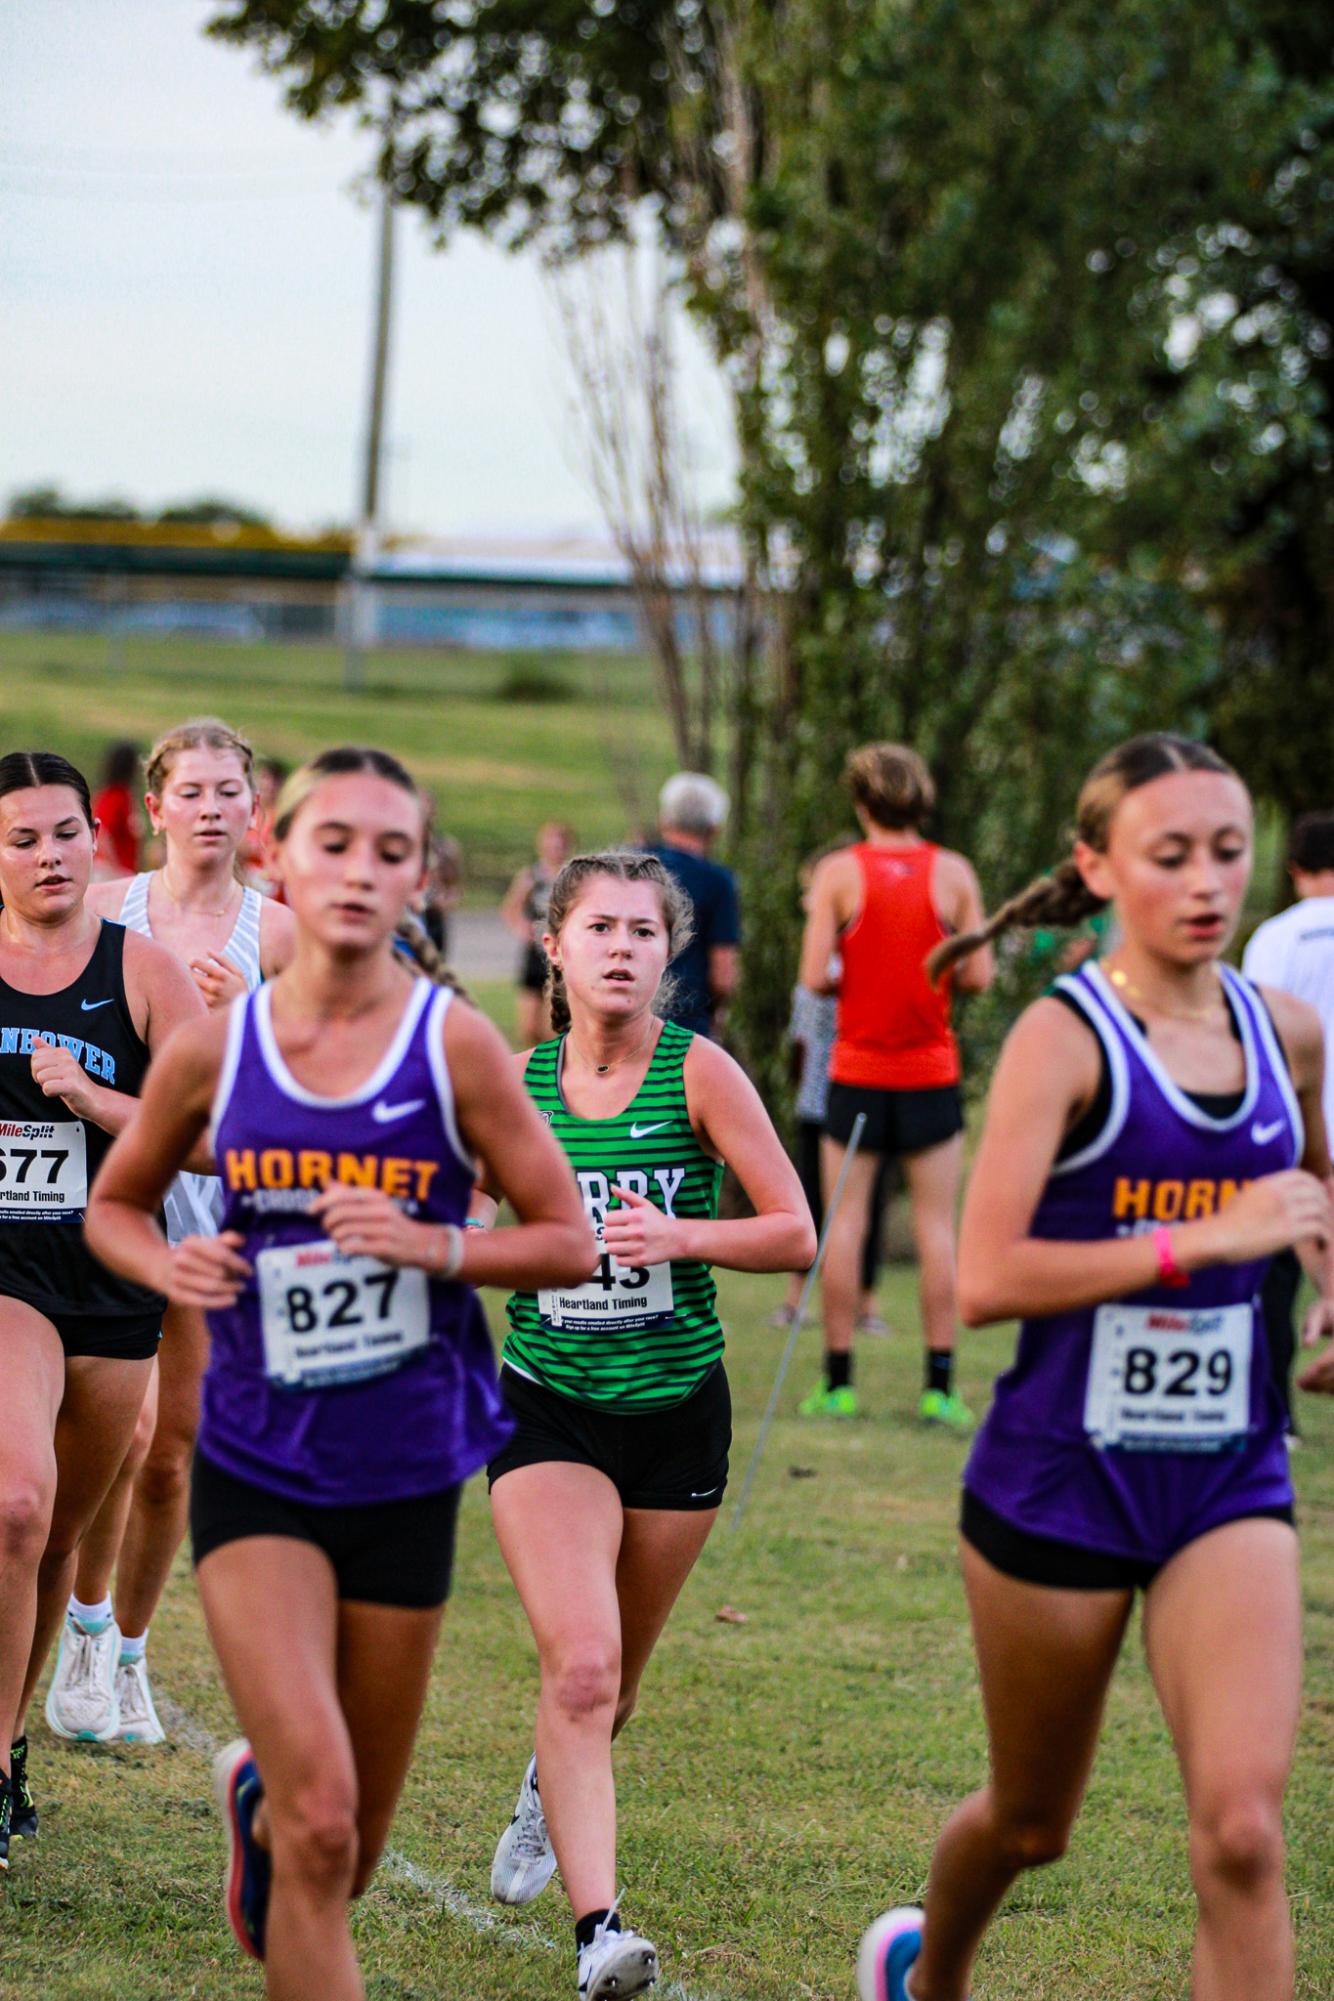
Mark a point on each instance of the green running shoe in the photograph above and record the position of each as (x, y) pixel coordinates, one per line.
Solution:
(24, 1822)
(824, 1402)
(947, 1408)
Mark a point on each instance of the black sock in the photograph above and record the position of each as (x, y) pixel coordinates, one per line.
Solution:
(940, 1369)
(837, 1370)
(585, 1926)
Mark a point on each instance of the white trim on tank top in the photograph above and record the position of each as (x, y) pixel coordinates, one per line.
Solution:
(1173, 1092)
(231, 1060)
(1118, 1071)
(281, 1076)
(444, 1083)
(244, 934)
(1250, 995)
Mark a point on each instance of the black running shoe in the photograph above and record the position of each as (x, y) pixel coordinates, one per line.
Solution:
(4, 1823)
(24, 1823)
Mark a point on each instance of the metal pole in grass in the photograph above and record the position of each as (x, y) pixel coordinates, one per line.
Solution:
(831, 1210)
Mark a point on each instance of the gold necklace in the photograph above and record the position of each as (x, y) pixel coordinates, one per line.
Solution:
(602, 1068)
(1126, 985)
(190, 910)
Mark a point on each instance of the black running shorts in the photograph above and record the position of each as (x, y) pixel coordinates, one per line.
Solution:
(670, 1459)
(385, 1553)
(1064, 1566)
(897, 1122)
(131, 1339)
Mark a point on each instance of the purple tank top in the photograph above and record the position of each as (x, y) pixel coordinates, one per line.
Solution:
(1132, 1427)
(340, 1380)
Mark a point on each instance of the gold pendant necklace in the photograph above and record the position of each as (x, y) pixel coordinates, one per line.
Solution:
(1124, 984)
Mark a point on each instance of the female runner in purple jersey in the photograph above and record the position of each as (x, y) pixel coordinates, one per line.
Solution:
(1137, 1170)
(350, 1387)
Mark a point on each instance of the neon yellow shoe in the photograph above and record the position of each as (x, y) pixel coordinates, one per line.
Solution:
(824, 1402)
(947, 1408)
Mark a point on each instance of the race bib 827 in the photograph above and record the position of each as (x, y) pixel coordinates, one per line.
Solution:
(328, 1318)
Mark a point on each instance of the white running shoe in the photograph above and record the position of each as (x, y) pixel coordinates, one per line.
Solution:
(525, 1861)
(139, 1720)
(81, 1703)
(614, 1964)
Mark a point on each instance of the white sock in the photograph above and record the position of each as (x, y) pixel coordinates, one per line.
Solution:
(93, 1618)
(132, 1650)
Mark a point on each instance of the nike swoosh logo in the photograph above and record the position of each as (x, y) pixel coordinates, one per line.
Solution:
(704, 1493)
(385, 1114)
(88, 1006)
(1263, 1134)
(642, 1132)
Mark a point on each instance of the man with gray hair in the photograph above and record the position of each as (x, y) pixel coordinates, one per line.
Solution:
(691, 810)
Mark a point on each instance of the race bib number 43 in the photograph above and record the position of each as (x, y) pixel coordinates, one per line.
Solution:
(1168, 1380)
(625, 1297)
(330, 1319)
(43, 1169)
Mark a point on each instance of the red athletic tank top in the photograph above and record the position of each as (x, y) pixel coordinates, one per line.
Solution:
(893, 1025)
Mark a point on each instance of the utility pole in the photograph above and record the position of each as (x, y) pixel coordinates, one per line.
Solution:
(359, 600)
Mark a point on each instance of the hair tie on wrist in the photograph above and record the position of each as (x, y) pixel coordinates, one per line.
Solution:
(453, 1250)
(1169, 1271)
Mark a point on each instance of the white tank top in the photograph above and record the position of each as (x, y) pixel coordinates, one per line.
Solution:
(193, 1203)
(242, 948)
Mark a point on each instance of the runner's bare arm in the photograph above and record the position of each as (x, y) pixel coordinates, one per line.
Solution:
(834, 890)
(520, 1160)
(1302, 1035)
(122, 1218)
(730, 1122)
(1047, 1075)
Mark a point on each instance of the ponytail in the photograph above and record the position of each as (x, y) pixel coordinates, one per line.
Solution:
(427, 954)
(1061, 898)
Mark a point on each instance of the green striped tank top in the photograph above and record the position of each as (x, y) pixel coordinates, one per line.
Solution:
(628, 1339)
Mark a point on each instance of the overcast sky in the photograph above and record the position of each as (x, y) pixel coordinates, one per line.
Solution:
(185, 300)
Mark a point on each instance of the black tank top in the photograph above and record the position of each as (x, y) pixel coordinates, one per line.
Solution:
(48, 1158)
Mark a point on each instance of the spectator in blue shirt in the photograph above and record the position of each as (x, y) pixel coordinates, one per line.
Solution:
(691, 812)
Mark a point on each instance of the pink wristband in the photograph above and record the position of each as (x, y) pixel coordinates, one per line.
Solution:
(1169, 1271)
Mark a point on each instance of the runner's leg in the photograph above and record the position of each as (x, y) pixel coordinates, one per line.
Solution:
(1045, 1658)
(384, 1669)
(101, 1405)
(161, 1499)
(841, 1272)
(1222, 1629)
(560, 1528)
(933, 1190)
(659, 1547)
(34, 1384)
(101, 1545)
(273, 1617)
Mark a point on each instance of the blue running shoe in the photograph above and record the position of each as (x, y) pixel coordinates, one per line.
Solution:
(23, 1826)
(238, 1789)
(888, 1949)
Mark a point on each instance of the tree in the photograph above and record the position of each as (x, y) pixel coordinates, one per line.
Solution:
(1027, 316)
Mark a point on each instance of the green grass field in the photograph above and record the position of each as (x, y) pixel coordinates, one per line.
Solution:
(786, 1777)
(498, 763)
(782, 1782)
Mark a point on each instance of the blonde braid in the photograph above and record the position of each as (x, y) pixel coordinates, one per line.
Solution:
(1061, 898)
(428, 954)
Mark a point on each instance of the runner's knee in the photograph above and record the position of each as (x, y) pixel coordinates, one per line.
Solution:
(1236, 1842)
(164, 1477)
(1031, 1841)
(315, 1835)
(25, 1520)
(583, 1679)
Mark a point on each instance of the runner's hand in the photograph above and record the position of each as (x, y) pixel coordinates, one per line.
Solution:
(60, 1075)
(367, 1223)
(1318, 1326)
(207, 1271)
(638, 1233)
(1276, 1211)
(218, 979)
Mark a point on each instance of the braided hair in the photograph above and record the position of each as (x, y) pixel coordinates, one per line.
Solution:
(1063, 898)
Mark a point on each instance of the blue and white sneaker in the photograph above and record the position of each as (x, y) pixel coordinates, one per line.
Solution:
(888, 1949)
(238, 1789)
